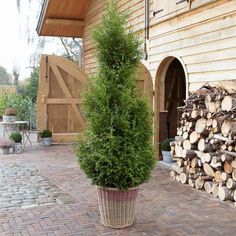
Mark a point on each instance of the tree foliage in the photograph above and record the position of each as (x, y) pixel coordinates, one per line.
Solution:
(16, 75)
(5, 78)
(116, 151)
(24, 101)
(73, 49)
(23, 105)
(28, 28)
(30, 87)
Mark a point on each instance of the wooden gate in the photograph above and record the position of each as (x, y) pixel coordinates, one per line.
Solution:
(61, 85)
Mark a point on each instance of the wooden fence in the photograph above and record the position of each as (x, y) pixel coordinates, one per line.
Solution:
(7, 89)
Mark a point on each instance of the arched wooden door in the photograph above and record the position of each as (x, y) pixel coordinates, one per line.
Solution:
(61, 85)
(144, 83)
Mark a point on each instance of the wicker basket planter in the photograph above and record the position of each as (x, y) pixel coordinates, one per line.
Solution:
(117, 207)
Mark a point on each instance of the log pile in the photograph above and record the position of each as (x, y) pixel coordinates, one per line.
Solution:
(205, 146)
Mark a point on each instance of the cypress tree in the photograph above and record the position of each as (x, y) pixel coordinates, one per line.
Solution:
(116, 151)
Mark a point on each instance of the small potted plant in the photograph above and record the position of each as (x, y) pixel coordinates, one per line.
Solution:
(16, 137)
(165, 147)
(5, 145)
(9, 115)
(46, 137)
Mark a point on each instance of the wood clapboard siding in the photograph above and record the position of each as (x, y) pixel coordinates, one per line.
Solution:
(93, 18)
(205, 34)
(193, 17)
(204, 38)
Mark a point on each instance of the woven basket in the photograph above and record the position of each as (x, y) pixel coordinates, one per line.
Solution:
(117, 207)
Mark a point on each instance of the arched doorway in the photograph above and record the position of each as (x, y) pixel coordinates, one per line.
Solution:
(175, 90)
(171, 89)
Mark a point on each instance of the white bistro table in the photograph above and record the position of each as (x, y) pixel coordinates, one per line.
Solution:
(17, 126)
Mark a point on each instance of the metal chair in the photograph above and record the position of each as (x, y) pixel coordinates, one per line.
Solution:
(36, 125)
(41, 124)
(25, 131)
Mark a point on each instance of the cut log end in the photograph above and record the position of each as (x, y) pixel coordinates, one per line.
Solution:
(183, 178)
(225, 194)
(208, 169)
(200, 125)
(215, 190)
(228, 103)
(199, 183)
(231, 184)
(208, 186)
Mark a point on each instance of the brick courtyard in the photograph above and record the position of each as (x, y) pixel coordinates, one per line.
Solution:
(55, 198)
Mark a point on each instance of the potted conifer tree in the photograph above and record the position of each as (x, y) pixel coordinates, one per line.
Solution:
(116, 152)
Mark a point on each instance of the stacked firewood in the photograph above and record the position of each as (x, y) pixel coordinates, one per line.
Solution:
(205, 146)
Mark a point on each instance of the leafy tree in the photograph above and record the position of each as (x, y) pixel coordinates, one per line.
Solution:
(16, 76)
(1, 106)
(5, 78)
(23, 105)
(30, 87)
(36, 43)
(116, 151)
(73, 49)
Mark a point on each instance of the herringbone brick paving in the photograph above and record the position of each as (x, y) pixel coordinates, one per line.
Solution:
(164, 207)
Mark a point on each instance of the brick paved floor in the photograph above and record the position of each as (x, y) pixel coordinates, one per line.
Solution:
(164, 207)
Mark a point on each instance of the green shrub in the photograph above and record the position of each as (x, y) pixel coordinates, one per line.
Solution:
(46, 134)
(23, 106)
(116, 151)
(1, 106)
(29, 87)
(165, 145)
(16, 137)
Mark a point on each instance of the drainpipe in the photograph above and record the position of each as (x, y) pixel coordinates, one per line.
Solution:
(147, 21)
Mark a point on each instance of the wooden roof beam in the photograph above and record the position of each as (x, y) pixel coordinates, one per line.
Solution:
(64, 22)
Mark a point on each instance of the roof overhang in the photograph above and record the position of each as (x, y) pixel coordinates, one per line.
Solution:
(63, 18)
